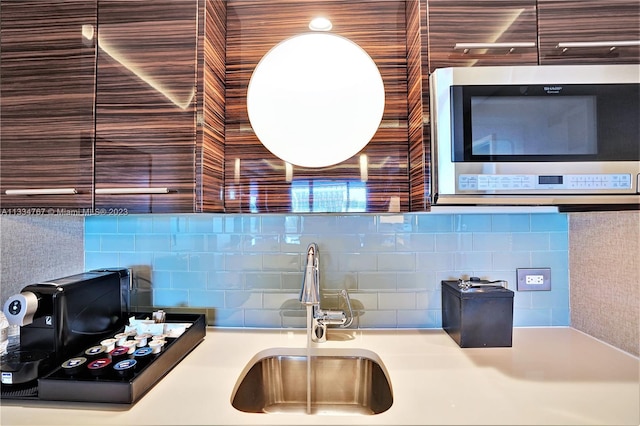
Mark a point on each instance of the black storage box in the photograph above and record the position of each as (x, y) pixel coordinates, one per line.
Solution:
(477, 317)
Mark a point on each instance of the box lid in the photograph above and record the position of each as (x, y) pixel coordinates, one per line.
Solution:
(477, 290)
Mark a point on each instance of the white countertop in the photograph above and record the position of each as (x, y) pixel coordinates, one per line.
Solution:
(550, 376)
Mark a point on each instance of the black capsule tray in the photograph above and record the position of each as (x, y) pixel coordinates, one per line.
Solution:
(110, 388)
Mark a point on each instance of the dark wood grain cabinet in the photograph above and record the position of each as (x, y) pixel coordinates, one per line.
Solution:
(140, 106)
(116, 114)
(47, 69)
(589, 31)
(529, 32)
(481, 33)
(159, 139)
(465, 33)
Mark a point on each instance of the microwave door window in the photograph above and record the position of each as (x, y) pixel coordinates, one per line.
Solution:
(491, 145)
(507, 126)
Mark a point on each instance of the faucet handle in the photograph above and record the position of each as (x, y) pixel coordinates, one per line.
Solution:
(337, 317)
(349, 319)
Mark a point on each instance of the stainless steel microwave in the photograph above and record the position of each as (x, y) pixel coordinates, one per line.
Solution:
(536, 135)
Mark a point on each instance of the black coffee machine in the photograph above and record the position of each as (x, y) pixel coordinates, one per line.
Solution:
(59, 318)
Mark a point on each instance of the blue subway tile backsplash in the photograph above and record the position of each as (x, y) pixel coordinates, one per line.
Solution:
(247, 269)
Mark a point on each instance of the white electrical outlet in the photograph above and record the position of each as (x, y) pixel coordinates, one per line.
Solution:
(533, 279)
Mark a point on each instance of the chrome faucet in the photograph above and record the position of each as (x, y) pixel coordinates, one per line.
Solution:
(310, 295)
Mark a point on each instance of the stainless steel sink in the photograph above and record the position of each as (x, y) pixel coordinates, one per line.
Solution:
(343, 381)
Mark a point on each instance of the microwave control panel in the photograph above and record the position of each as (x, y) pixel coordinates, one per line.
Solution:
(489, 182)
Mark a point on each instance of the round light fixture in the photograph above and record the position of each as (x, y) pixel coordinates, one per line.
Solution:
(315, 100)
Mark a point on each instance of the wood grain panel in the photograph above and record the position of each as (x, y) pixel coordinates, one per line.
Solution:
(47, 96)
(480, 21)
(588, 21)
(418, 191)
(146, 103)
(259, 184)
(211, 102)
(426, 112)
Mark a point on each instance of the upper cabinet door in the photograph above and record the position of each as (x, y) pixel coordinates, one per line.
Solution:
(481, 32)
(47, 74)
(146, 106)
(589, 31)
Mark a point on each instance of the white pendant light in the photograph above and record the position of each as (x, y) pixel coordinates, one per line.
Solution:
(315, 99)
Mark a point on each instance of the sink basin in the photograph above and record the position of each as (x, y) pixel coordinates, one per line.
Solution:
(343, 381)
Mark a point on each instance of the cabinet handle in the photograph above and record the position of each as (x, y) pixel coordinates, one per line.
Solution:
(465, 47)
(125, 191)
(612, 45)
(42, 191)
